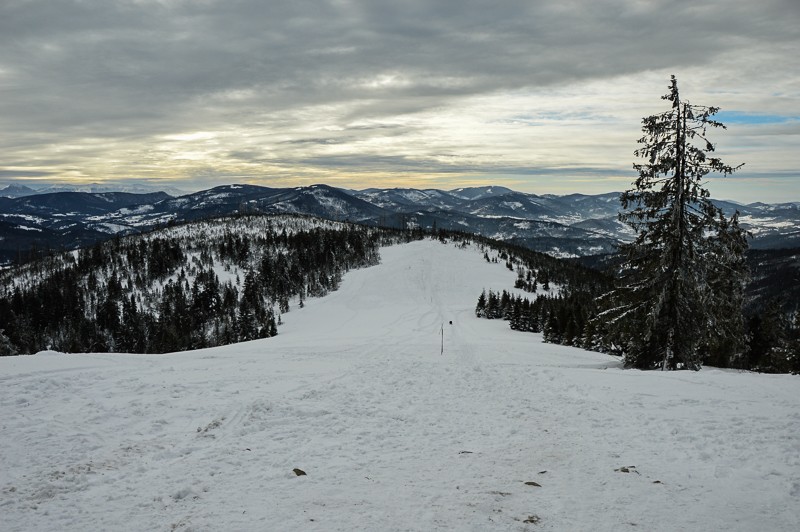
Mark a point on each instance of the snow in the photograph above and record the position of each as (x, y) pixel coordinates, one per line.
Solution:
(110, 228)
(567, 219)
(102, 197)
(140, 209)
(26, 217)
(217, 196)
(325, 200)
(758, 225)
(392, 434)
(514, 205)
(557, 253)
(414, 195)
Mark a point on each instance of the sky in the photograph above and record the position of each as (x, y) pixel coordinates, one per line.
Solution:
(539, 96)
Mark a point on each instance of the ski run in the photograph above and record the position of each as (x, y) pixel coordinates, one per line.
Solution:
(405, 412)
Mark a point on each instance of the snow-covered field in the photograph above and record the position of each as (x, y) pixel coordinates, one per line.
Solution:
(392, 434)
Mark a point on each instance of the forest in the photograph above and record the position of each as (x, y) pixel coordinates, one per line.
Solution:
(572, 318)
(187, 287)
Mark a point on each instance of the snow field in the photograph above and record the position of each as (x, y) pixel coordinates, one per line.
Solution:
(392, 434)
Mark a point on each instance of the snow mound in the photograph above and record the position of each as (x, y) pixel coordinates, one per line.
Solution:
(48, 353)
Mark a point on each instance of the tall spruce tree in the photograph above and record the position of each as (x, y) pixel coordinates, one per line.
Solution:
(672, 302)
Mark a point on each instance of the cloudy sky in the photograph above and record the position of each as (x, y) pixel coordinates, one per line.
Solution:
(540, 96)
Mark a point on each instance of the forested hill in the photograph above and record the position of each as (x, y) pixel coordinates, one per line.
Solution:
(185, 287)
(212, 282)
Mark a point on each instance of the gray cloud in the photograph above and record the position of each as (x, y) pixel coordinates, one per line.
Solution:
(101, 62)
(5, 174)
(128, 70)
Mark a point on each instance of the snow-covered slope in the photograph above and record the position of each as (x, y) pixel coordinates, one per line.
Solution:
(392, 434)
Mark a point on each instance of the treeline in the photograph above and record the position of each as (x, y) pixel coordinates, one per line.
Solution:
(572, 318)
(566, 306)
(773, 340)
(561, 320)
(562, 306)
(186, 287)
(766, 339)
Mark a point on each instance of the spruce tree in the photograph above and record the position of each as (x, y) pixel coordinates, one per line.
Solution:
(769, 346)
(480, 308)
(727, 343)
(6, 347)
(671, 294)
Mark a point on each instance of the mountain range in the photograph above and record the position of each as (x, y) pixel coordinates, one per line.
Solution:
(566, 226)
(14, 190)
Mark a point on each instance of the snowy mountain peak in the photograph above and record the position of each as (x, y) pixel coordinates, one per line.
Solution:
(16, 191)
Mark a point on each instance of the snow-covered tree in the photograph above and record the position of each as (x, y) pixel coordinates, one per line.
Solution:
(672, 297)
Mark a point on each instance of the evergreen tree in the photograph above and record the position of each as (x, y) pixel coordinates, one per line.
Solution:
(492, 304)
(515, 314)
(545, 279)
(480, 308)
(6, 347)
(505, 305)
(551, 332)
(769, 346)
(726, 279)
(670, 295)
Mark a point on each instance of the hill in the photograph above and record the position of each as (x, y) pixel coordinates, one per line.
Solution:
(392, 433)
(189, 286)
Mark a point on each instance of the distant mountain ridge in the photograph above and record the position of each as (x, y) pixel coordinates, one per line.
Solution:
(567, 226)
(14, 190)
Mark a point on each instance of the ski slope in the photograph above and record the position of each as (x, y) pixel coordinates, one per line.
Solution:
(392, 433)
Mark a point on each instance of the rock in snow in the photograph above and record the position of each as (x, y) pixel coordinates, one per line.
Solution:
(354, 388)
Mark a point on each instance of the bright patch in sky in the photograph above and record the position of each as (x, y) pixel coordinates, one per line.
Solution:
(736, 117)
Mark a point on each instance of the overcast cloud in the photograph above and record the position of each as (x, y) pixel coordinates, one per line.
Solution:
(540, 96)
